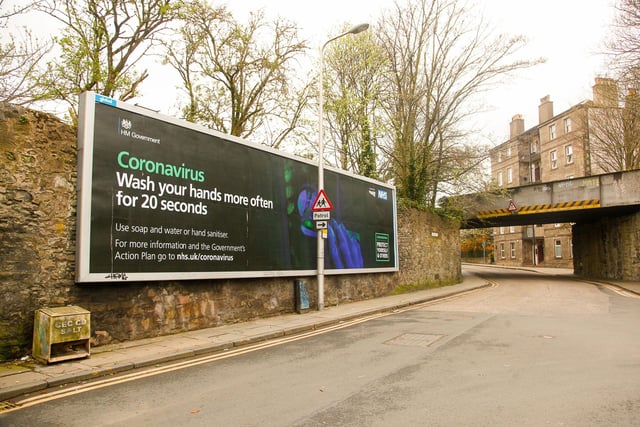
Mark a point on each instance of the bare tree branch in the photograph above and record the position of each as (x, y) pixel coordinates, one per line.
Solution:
(239, 77)
(101, 43)
(440, 59)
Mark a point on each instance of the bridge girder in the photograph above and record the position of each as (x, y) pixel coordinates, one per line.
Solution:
(572, 200)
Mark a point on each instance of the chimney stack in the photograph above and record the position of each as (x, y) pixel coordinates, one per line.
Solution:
(516, 127)
(545, 109)
(605, 92)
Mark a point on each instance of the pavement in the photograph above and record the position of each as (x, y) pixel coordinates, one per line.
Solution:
(111, 359)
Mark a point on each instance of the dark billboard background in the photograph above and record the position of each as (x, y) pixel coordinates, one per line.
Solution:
(168, 200)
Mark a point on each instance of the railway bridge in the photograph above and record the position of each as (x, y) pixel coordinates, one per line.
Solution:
(604, 210)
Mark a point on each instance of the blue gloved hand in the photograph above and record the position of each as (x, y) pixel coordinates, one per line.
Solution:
(344, 246)
(306, 196)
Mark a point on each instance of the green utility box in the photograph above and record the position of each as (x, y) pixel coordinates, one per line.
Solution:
(61, 333)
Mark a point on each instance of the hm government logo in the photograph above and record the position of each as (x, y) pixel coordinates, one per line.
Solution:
(125, 127)
(125, 130)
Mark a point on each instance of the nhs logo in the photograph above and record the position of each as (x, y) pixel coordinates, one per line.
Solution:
(379, 193)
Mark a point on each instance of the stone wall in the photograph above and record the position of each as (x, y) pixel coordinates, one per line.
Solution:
(608, 248)
(37, 219)
(37, 254)
(428, 248)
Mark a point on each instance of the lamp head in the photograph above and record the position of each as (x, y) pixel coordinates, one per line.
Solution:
(358, 28)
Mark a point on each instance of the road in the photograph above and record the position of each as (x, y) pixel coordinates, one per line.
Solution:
(532, 350)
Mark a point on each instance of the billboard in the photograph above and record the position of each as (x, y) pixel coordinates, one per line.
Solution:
(164, 199)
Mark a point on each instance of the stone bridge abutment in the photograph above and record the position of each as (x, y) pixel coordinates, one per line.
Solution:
(608, 248)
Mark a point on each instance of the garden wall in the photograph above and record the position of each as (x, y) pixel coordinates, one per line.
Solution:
(37, 254)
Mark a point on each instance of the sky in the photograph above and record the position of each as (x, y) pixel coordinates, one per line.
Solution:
(568, 33)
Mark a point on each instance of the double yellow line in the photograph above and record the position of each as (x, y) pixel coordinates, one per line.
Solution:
(158, 370)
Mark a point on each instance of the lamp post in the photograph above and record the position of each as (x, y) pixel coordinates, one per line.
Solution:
(355, 30)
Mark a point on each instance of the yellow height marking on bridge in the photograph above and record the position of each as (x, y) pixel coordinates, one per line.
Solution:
(547, 207)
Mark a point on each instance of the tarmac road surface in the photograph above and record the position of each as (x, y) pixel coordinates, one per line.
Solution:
(531, 350)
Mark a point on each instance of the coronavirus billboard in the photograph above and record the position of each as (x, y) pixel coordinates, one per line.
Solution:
(164, 199)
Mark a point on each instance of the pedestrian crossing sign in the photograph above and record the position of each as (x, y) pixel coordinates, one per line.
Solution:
(322, 202)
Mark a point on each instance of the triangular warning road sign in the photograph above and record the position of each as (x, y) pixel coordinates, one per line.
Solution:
(512, 207)
(322, 202)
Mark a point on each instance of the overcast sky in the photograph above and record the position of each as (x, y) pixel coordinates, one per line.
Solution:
(568, 33)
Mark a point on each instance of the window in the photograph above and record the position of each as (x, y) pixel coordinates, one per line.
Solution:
(553, 157)
(530, 232)
(534, 147)
(502, 250)
(509, 175)
(499, 156)
(557, 248)
(513, 249)
(512, 229)
(552, 132)
(567, 125)
(501, 230)
(499, 179)
(568, 151)
(508, 152)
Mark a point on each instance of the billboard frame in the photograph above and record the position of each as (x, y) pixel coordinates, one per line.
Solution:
(86, 140)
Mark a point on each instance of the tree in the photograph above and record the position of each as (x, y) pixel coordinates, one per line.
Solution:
(20, 57)
(624, 41)
(439, 60)
(239, 78)
(101, 43)
(477, 243)
(353, 89)
(614, 122)
(614, 131)
(631, 131)
(182, 52)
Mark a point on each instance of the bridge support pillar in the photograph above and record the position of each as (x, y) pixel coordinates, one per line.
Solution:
(608, 248)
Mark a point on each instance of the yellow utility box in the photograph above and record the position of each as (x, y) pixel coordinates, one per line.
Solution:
(61, 333)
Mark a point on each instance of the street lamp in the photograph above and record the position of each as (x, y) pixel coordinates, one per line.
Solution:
(355, 30)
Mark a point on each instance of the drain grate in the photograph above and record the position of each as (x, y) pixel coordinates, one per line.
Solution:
(414, 340)
(5, 406)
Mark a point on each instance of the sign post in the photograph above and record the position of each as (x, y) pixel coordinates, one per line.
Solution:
(321, 205)
(355, 30)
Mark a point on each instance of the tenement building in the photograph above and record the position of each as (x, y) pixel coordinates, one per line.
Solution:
(557, 148)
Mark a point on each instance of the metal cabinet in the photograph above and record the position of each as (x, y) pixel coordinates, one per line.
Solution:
(61, 333)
